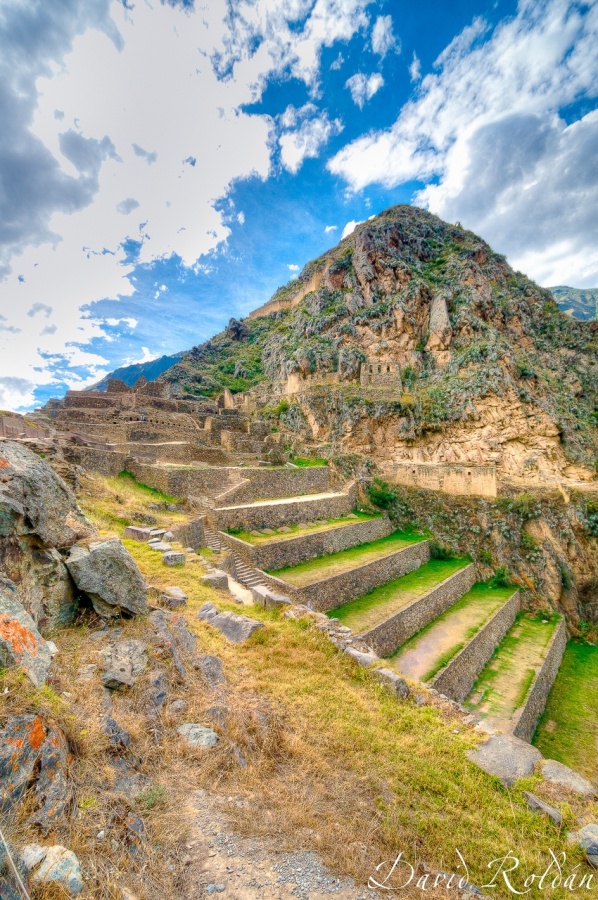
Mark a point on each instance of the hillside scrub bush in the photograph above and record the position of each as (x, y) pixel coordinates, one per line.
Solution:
(381, 494)
(441, 551)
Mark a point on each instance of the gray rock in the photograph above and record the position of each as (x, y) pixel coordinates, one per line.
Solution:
(36, 500)
(21, 644)
(109, 576)
(134, 533)
(263, 596)
(218, 715)
(174, 558)
(218, 580)
(362, 659)
(59, 866)
(506, 757)
(176, 637)
(162, 546)
(198, 736)
(556, 773)
(157, 532)
(177, 707)
(234, 627)
(9, 885)
(31, 855)
(211, 670)
(20, 743)
(540, 806)
(587, 836)
(158, 687)
(126, 781)
(174, 597)
(123, 662)
(118, 738)
(394, 682)
(52, 788)
(592, 855)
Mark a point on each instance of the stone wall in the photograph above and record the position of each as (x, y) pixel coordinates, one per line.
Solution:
(16, 426)
(388, 636)
(339, 589)
(292, 551)
(271, 483)
(477, 481)
(98, 460)
(527, 719)
(249, 518)
(181, 482)
(191, 534)
(458, 676)
(380, 372)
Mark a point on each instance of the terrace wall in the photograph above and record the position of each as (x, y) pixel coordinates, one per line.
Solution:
(292, 551)
(458, 676)
(391, 634)
(248, 518)
(527, 719)
(339, 589)
(470, 481)
(274, 483)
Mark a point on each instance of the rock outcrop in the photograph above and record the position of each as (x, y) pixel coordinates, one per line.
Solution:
(21, 644)
(108, 575)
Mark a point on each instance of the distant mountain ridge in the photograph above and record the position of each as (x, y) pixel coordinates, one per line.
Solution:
(130, 374)
(581, 303)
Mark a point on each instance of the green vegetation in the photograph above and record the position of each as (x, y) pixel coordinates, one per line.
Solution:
(504, 683)
(381, 494)
(568, 729)
(296, 531)
(305, 462)
(335, 563)
(379, 604)
(146, 489)
(429, 651)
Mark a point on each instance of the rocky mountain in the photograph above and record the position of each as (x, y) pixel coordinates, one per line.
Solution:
(130, 374)
(412, 340)
(579, 303)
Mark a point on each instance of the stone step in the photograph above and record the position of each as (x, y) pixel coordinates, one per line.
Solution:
(386, 617)
(284, 511)
(512, 689)
(321, 582)
(452, 650)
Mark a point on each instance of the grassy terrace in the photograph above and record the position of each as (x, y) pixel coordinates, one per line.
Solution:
(505, 682)
(427, 652)
(336, 563)
(304, 528)
(369, 610)
(568, 730)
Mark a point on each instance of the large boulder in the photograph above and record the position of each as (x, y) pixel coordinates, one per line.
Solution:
(35, 500)
(45, 587)
(108, 575)
(507, 757)
(21, 741)
(21, 644)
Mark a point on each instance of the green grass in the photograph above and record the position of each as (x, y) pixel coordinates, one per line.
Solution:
(333, 563)
(366, 611)
(504, 683)
(568, 729)
(483, 596)
(295, 531)
(305, 463)
(146, 489)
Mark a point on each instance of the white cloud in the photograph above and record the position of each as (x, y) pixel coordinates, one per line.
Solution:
(487, 128)
(293, 267)
(363, 87)
(350, 228)
(415, 68)
(330, 228)
(94, 173)
(383, 38)
(306, 141)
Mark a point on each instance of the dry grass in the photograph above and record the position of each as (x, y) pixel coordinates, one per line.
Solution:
(113, 503)
(334, 764)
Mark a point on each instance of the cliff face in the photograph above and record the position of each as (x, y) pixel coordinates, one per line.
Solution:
(413, 340)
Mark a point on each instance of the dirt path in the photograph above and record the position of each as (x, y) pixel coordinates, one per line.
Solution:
(450, 631)
(222, 863)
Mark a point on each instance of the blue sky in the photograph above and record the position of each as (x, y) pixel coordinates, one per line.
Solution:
(170, 164)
